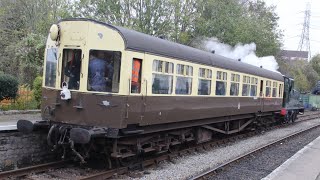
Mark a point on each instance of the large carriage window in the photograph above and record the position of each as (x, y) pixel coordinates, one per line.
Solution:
(184, 79)
(71, 64)
(221, 83)
(234, 87)
(268, 88)
(254, 84)
(51, 67)
(104, 71)
(162, 77)
(204, 86)
(246, 86)
(274, 89)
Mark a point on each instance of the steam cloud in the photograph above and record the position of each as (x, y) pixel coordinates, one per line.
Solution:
(244, 52)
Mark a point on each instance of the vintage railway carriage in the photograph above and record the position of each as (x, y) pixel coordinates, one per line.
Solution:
(155, 93)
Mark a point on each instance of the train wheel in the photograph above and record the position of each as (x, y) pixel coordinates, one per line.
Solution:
(174, 149)
(128, 161)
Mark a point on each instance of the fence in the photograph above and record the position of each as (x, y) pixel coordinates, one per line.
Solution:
(24, 100)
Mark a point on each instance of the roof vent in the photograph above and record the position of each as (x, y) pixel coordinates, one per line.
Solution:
(239, 59)
(261, 67)
(213, 51)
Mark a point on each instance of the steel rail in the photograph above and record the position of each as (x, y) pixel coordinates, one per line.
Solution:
(212, 170)
(33, 169)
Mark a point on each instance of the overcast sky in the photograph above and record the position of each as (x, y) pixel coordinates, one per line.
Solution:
(291, 15)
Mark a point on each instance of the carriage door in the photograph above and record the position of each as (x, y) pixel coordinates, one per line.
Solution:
(261, 95)
(138, 101)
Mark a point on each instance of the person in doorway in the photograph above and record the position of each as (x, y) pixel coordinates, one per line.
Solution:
(97, 70)
(72, 70)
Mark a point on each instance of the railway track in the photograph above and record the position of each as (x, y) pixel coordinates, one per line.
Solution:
(165, 157)
(205, 146)
(33, 169)
(211, 171)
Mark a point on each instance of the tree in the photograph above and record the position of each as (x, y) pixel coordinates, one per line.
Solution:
(315, 62)
(233, 22)
(24, 25)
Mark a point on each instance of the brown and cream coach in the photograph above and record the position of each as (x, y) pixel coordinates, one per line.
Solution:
(111, 89)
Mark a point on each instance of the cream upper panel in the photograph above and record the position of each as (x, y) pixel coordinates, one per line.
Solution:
(86, 35)
(148, 76)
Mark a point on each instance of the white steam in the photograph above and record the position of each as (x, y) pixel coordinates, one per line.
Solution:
(244, 52)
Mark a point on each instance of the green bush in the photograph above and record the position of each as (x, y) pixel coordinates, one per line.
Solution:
(37, 90)
(8, 87)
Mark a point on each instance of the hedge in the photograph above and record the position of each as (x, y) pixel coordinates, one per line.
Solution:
(37, 91)
(8, 87)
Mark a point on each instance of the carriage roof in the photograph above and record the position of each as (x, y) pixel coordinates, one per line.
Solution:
(141, 42)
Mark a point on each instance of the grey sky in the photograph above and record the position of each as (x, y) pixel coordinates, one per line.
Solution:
(291, 15)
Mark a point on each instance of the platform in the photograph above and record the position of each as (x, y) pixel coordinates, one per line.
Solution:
(305, 164)
(9, 122)
(8, 125)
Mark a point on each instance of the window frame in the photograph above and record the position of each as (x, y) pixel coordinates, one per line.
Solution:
(246, 80)
(164, 73)
(187, 73)
(119, 71)
(268, 85)
(222, 78)
(274, 86)
(207, 76)
(254, 82)
(235, 79)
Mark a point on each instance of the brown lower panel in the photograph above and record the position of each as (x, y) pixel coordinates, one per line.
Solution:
(119, 111)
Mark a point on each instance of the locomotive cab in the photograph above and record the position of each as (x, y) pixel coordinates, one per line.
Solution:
(292, 105)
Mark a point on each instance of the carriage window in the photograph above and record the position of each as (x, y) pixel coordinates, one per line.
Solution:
(268, 88)
(51, 67)
(204, 86)
(157, 66)
(246, 86)
(254, 84)
(221, 83)
(274, 89)
(184, 79)
(180, 69)
(162, 81)
(168, 68)
(189, 70)
(280, 90)
(162, 84)
(136, 76)
(183, 85)
(104, 71)
(71, 64)
(234, 86)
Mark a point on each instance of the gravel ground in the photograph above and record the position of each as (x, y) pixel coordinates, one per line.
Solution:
(186, 167)
(72, 173)
(262, 163)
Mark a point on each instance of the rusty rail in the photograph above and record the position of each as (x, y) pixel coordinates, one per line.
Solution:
(33, 169)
